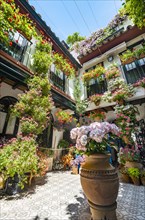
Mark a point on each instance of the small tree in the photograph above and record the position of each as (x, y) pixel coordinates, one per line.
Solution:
(75, 37)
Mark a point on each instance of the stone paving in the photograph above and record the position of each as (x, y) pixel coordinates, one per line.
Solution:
(60, 197)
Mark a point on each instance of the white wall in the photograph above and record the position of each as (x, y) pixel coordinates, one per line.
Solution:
(6, 90)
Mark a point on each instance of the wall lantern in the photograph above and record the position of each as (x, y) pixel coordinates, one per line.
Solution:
(110, 58)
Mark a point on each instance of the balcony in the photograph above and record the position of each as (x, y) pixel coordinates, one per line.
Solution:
(96, 88)
(134, 71)
(17, 47)
(57, 80)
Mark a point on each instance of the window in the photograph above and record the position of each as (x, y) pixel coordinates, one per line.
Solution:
(134, 71)
(9, 125)
(96, 86)
(57, 78)
(17, 48)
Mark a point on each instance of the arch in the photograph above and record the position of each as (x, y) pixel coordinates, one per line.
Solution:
(5, 103)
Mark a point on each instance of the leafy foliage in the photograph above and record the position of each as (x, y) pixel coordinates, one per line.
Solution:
(19, 157)
(81, 105)
(63, 64)
(11, 20)
(75, 37)
(136, 11)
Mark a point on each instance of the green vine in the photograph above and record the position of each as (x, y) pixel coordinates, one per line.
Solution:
(81, 105)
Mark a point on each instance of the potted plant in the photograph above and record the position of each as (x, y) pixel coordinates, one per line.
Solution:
(97, 174)
(140, 83)
(18, 157)
(63, 118)
(97, 115)
(140, 53)
(134, 173)
(94, 74)
(142, 177)
(124, 174)
(112, 72)
(96, 98)
(130, 157)
(127, 57)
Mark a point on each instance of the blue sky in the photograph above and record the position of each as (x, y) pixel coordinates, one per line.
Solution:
(65, 17)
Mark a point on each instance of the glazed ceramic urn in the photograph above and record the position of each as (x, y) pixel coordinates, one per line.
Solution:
(100, 183)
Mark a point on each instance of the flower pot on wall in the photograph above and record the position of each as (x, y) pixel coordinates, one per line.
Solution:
(100, 183)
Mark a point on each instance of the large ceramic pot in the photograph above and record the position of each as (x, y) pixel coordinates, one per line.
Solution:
(100, 184)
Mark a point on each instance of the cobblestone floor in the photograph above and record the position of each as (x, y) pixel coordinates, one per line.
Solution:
(61, 198)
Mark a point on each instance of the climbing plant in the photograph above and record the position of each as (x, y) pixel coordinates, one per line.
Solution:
(81, 105)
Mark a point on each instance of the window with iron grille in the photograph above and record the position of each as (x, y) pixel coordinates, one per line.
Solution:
(96, 86)
(135, 70)
(17, 48)
(57, 78)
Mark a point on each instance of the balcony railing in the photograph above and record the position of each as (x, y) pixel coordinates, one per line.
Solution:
(97, 88)
(135, 70)
(57, 81)
(17, 47)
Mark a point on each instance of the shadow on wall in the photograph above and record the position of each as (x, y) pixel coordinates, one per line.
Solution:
(79, 210)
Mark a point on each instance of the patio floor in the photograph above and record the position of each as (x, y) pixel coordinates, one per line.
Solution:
(60, 197)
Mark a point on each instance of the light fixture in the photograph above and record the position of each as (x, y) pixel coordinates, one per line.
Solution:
(110, 58)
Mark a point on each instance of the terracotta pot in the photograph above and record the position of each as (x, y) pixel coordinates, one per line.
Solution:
(142, 56)
(100, 183)
(136, 181)
(125, 178)
(2, 182)
(143, 181)
(130, 60)
(130, 164)
(97, 103)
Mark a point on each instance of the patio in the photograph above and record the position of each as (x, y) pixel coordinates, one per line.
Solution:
(59, 197)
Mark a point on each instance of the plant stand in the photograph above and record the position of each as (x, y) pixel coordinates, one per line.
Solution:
(100, 183)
